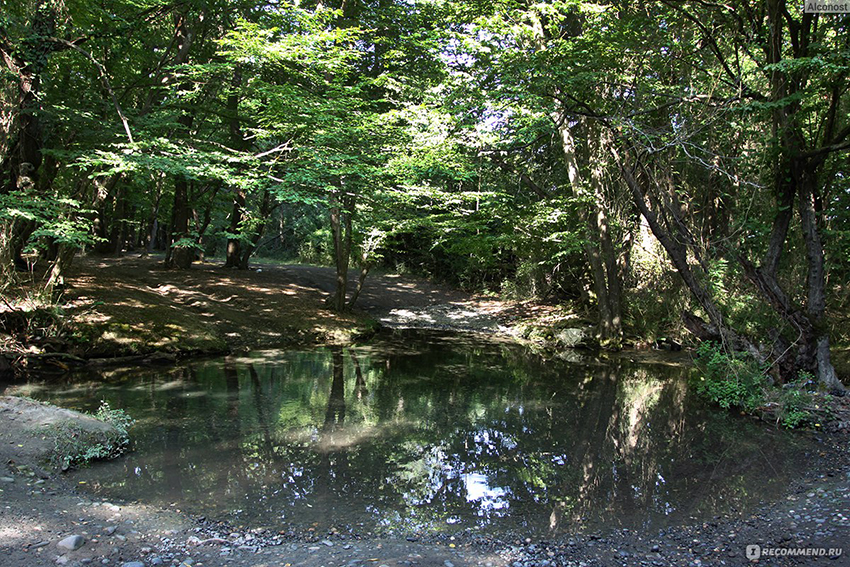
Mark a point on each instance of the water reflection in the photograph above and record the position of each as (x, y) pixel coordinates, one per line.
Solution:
(404, 435)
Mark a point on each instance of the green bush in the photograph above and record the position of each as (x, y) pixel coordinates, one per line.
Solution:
(731, 380)
(75, 447)
(793, 408)
(735, 380)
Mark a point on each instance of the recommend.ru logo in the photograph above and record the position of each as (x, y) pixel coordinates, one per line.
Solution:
(755, 552)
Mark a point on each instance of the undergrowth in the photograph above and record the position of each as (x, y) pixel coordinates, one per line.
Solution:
(75, 447)
(737, 381)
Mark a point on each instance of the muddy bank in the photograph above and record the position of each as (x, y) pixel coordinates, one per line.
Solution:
(130, 309)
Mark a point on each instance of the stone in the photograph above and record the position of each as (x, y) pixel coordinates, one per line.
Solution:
(575, 337)
(72, 543)
(448, 563)
(133, 564)
(6, 479)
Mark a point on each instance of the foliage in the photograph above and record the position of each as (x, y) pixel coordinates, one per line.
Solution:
(75, 447)
(444, 127)
(731, 380)
(736, 381)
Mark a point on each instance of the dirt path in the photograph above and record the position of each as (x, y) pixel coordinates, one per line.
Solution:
(130, 305)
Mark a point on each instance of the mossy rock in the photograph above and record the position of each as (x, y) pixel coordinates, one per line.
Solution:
(55, 437)
(575, 337)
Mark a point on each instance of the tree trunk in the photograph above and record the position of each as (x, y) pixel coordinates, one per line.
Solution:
(612, 331)
(816, 351)
(364, 271)
(61, 265)
(341, 213)
(181, 256)
(266, 209)
(678, 255)
(599, 249)
(8, 274)
(233, 254)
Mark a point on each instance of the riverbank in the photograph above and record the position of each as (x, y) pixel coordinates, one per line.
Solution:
(131, 309)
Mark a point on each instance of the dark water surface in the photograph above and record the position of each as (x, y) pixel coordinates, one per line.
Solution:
(429, 433)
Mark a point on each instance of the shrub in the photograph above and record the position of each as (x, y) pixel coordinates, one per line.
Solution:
(75, 447)
(731, 380)
(736, 380)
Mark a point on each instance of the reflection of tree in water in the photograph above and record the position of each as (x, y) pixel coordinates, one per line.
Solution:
(618, 455)
(336, 400)
(449, 434)
(360, 389)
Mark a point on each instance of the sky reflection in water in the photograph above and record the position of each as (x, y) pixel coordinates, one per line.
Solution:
(430, 433)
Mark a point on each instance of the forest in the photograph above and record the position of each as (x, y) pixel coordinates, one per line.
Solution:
(394, 282)
(668, 168)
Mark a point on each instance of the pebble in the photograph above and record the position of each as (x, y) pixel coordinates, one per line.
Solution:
(327, 542)
(6, 479)
(133, 564)
(72, 543)
(61, 560)
(448, 563)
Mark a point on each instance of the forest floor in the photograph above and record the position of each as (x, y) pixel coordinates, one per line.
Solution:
(131, 306)
(115, 308)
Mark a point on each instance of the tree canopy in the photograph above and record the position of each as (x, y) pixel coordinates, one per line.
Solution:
(666, 166)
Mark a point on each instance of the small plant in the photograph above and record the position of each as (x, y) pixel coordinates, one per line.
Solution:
(793, 410)
(731, 380)
(116, 417)
(737, 381)
(797, 405)
(74, 446)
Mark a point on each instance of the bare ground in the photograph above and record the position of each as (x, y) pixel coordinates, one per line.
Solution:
(132, 306)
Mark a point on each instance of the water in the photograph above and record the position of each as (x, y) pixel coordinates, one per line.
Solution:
(429, 433)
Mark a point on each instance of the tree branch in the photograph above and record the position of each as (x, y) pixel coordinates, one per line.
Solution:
(103, 78)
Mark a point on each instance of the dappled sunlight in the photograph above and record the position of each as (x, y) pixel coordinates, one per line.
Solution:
(23, 532)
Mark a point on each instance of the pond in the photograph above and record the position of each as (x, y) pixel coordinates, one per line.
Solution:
(429, 433)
